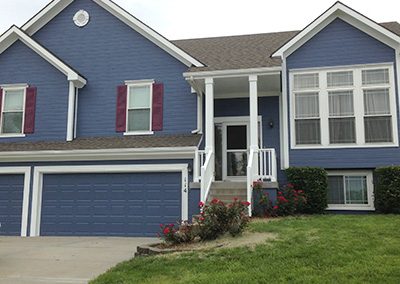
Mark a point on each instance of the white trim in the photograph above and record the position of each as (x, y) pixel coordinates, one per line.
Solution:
(358, 106)
(14, 33)
(5, 136)
(76, 112)
(39, 172)
(144, 82)
(17, 86)
(26, 171)
(347, 14)
(233, 73)
(138, 133)
(153, 153)
(54, 8)
(370, 189)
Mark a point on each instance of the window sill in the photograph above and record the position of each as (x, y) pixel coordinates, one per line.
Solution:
(138, 133)
(336, 207)
(4, 136)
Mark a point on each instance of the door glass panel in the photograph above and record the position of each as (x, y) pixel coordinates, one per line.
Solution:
(237, 163)
(218, 152)
(236, 137)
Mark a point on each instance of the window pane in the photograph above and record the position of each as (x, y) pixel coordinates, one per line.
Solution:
(14, 100)
(139, 120)
(341, 103)
(139, 97)
(340, 79)
(335, 190)
(306, 81)
(308, 132)
(237, 163)
(12, 122)
(375, 76)
(376, 102)
(342, 130)
(236, 137)
(307, 105)
(356, 190)
(378, 129)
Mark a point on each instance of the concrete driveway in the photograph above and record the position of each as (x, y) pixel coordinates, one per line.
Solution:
(62, 260)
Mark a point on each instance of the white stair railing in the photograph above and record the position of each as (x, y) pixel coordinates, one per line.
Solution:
(252, 175)
(199, 160)
(267, 165)
(207, 176)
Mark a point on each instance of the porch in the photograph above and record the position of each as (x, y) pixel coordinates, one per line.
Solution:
(235, 119)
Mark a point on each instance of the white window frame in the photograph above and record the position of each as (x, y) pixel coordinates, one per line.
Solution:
(370, 191)
(5, 89)
(141, 83)
(358, 97)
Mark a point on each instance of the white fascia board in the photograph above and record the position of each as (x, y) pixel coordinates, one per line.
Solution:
(347, 14)
(14, 34)
(100, 155)
(232, 73)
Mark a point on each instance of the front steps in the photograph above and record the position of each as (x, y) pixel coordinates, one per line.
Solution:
(227, 191)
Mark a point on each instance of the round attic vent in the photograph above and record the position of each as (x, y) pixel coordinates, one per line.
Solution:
(81, 18)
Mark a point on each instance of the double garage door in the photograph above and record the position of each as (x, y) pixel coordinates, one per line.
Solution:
(103, 204)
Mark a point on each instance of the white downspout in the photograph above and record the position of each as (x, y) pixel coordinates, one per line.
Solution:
(71, 112)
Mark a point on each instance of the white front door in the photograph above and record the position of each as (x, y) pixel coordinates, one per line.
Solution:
(235, 150)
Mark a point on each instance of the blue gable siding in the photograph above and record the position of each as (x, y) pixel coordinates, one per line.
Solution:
(108, 52)
(341, 44)
(19, 64)
(268, 108)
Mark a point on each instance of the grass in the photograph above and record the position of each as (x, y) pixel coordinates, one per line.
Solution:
(320, 249)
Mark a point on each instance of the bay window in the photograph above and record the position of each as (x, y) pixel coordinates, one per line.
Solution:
(348, 107)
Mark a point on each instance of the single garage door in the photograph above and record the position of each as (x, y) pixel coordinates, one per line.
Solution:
(11, 196)
(125, 204)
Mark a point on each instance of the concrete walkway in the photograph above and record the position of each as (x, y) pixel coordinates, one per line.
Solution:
(62, 260)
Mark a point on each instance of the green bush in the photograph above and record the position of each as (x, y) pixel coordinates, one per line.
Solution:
(314, 183)
(387, 189)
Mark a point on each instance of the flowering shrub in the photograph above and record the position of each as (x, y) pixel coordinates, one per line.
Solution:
(217, 219)
(184, 233)
(167, 233)
(289, 201)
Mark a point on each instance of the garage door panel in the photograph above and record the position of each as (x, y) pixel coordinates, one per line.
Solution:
(109, 204)
(11, 200)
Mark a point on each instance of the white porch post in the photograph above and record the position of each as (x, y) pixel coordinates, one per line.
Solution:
(71, 112)
(253, 113)
(209, 82)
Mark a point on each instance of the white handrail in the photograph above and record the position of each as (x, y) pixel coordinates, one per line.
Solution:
(207, 176)
(198, 162)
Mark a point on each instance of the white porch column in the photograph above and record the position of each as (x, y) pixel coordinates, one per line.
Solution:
(209, 131)
(71, 112)
(253, 112)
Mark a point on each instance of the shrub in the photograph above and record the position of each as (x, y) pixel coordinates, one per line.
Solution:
(387, 189)
(184, 233)
(217, 219)
(314, 183)
(263, 206)
(290, 201)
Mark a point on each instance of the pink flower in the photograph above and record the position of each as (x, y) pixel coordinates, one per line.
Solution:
(201, 219)
(166, 231)
(276, 207)
(201, 204)
(290, 185)
(161, 226)
(280, 193)
(246, 203)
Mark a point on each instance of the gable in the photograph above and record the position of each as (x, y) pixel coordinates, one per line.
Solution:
(340, 43)
(57, 6)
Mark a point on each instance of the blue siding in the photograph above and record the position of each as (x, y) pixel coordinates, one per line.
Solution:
(108, 52)
(109, 204)
(268, 108)
(194, 199)
(11, 196)
(19, 64)
(341, 44)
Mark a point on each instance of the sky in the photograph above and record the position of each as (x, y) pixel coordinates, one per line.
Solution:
(181, 19)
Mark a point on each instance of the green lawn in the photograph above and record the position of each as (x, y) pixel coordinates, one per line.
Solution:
(321, 249)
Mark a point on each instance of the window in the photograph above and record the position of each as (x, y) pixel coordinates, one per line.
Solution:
(344, 108)
(12, 116)
(139, 108)
(351, 190)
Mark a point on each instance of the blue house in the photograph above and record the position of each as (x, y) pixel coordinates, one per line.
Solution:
(109, 129)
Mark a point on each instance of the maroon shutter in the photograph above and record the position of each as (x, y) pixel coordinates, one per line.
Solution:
(158, 97)
(122, 93)
(30, 109)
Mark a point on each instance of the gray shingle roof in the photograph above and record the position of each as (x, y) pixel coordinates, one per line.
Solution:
(245, 51)
(105, 143)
